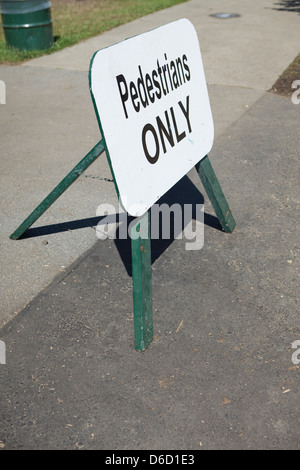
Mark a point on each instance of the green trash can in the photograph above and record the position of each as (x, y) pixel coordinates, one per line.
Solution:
(27, 24)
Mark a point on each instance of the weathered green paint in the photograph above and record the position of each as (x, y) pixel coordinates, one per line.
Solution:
(142, 282)
(215, 194)
(59, 189)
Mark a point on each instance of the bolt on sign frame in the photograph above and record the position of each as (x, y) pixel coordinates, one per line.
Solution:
(151, 101)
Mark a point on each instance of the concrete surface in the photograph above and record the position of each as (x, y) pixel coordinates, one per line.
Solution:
(219, 373)
(48, 126)
(248, 51)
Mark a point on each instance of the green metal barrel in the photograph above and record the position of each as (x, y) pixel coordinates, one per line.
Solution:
(27, 24)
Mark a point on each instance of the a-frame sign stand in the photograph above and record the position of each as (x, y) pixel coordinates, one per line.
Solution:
(140, 247)
(140, 230)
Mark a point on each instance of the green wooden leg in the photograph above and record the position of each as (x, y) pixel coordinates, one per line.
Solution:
(142, 283)
(215, 194)
(59, 189)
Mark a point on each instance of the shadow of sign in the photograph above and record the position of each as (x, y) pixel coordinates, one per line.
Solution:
(184, 192)
(288, 5)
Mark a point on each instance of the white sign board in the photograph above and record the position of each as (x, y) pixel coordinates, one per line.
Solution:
(151, 99)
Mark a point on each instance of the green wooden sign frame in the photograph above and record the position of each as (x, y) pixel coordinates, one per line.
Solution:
(140, 247)
(141, 244)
